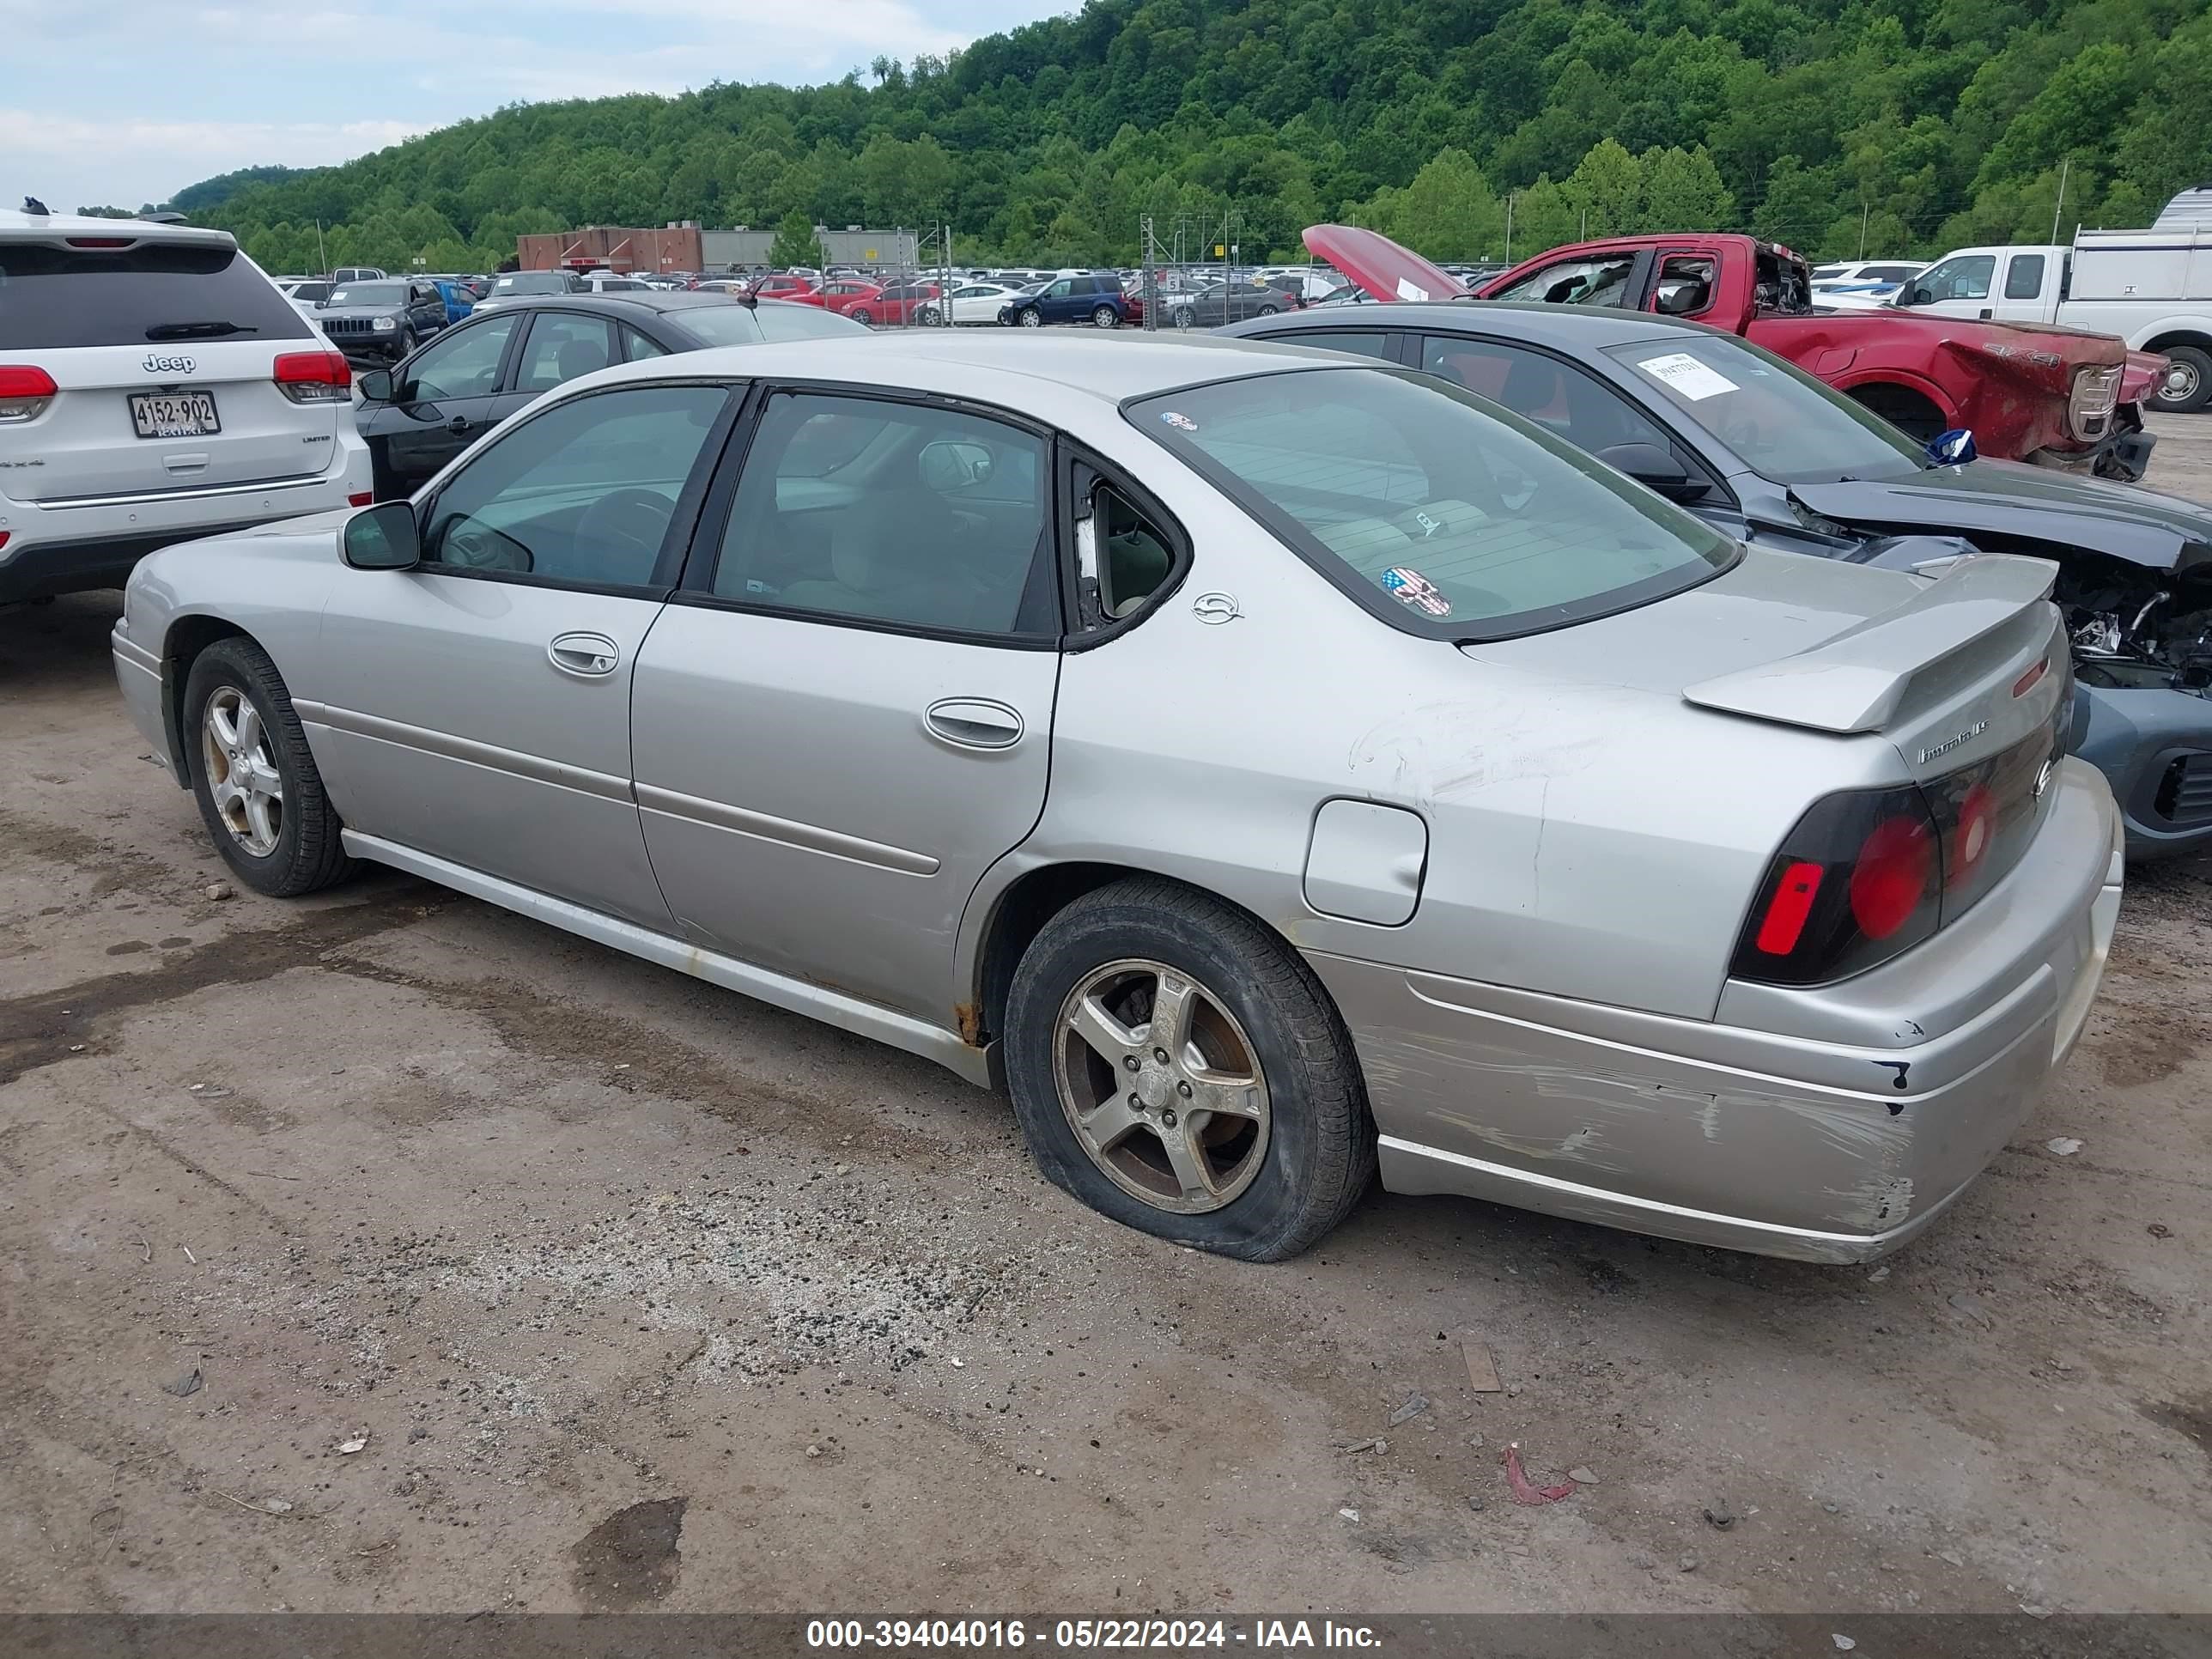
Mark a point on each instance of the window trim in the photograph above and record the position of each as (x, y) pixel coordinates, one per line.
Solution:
(1073, 460)
(1691, 457)
(667, 563)
(1301, 545)
(694, 584)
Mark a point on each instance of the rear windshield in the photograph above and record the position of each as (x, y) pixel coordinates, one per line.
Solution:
(1437, 510)
(56, 296)
(533, 281)
(370, 293)
(790, 322)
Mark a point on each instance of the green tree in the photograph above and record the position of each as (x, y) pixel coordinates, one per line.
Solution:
(796, 242)
(1683, 191)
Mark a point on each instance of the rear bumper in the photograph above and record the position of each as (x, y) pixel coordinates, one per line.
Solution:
(87, 544)
(1828, 1125)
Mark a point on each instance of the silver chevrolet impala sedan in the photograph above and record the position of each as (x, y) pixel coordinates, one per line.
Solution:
(1261, 763)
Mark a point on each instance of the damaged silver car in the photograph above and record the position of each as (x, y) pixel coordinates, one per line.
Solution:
(1263, 763)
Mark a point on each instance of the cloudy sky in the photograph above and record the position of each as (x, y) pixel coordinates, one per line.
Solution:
(126, 100)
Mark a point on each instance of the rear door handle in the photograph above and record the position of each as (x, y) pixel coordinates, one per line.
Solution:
(973, 723)
(586, 656)
(1985, 314)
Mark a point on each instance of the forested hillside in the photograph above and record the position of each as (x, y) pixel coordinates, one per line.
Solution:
(1915, 125)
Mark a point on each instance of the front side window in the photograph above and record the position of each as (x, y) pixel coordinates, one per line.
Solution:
(2024, 276)
(1588, 282)
(1786, 425)
(1439, 513)
(462, 364)
(894, 513)
(584, 493)
(562, 346)
(1063, 287)
(1966, 278)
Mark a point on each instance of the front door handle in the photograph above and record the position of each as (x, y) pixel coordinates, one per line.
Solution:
(973, 723)
(586, 656)
(458, 425)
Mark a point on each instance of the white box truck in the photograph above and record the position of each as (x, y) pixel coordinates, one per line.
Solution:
(2152, 288)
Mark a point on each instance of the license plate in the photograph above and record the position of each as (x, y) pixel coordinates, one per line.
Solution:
(175, 414)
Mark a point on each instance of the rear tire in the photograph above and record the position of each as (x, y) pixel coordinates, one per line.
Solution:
(1276, 1173)
(1106, 317)
(267, 811)
(2196, 391)
(1903, 408)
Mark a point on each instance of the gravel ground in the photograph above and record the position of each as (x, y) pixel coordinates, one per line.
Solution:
(386, 1251)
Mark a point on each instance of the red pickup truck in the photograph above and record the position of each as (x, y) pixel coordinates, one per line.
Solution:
(2027, 393)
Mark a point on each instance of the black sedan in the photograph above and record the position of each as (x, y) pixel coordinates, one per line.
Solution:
(1225, 302)
(422, 414)
(1773, 457)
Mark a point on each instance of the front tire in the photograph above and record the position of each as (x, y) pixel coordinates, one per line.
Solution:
(1032, 318)
(2192, 366)
(1186, 317)
(259, 789)
(1241, 1128)
(860, 315)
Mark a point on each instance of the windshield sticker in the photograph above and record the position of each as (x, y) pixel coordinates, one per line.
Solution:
(1410, 291)
(1179, 422)
(1680, 372)
(1412, 587)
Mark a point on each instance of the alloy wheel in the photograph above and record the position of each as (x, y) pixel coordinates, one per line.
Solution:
(241, 771)
(1162, 1087)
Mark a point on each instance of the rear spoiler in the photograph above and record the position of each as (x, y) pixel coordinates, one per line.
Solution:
(1859, 680)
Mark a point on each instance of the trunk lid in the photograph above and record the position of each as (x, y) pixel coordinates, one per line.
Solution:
(1946, 670)
(1381, 266)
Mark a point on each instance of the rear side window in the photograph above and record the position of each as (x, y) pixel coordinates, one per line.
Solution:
(2024, 276)
(1436, 512)
(158, 291)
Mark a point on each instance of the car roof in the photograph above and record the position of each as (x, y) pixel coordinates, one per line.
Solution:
(627, 300)
(1004, 366)
(16, 225)
(1563, 327)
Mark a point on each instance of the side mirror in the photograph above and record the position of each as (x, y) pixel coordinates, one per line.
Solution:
(947, 466)
(383, 538)
(1656, 469)
(376, 385)
(1916, 293)
(1952, 448)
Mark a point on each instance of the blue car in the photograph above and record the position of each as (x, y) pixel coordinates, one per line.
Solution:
(458, 300)
(1085, 297)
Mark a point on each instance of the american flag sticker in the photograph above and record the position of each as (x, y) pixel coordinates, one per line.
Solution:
(1412, 587)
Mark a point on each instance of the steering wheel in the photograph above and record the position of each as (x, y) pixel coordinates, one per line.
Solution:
(468, 545)
(631, 521)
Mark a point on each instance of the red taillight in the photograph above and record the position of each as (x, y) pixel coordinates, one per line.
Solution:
(2027, 683)
(24, 391)
(1890, 879)
(4, 538)
(360, 498)
(314, 377)
(100, 241)
(1784, 921)
(1971, 836)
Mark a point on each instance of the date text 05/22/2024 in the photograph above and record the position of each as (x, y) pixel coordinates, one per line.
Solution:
(1071, 1635)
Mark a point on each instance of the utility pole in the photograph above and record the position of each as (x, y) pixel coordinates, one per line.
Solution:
(1509, 226)
(1863, 227)
(321, 257)
(2063, 165)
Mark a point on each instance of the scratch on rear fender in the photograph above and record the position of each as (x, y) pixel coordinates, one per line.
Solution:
(1876, 1205)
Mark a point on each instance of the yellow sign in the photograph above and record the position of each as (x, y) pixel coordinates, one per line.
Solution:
(871, 254)
(1220, 252)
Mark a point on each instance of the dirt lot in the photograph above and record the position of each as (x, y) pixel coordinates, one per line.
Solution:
(640, 1295)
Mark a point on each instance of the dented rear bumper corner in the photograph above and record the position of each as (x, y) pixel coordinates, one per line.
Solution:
(1829, 1124)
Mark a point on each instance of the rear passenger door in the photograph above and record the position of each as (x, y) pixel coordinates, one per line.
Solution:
(844, 716)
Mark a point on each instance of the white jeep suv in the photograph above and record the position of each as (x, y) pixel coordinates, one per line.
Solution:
(155, 386)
